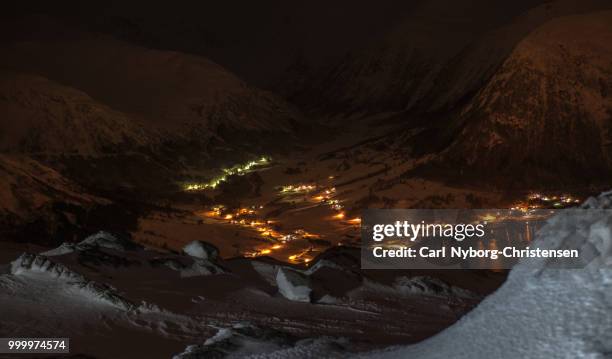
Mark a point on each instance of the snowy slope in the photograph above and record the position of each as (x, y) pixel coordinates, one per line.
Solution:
(108, 287)
(434, 58)
(189, 96)
(540, 312)
(548, 108)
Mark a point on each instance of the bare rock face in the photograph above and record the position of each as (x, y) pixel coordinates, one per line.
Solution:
(548, 109)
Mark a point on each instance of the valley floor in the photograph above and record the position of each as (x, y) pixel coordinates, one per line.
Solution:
(293, 207)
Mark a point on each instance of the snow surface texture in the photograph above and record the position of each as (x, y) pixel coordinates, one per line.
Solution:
(266, 271)
(202, 253)
(269, 271)
(200, 267)
(295, 284)
(41, 295)
(99, 240)
(39, 267)
(246, 341)
(540, 312)
(419, 285)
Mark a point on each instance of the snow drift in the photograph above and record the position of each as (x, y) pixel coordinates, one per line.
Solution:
(38, 267)
(247, 341)
(540, 312)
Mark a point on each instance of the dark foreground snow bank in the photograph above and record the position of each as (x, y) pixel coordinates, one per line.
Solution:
(540, 312)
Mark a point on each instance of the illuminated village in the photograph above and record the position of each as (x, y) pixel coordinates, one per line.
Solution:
(537, 200)
(297, 245)
(300, 246)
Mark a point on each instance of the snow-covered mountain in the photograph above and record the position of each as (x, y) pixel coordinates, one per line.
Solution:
(189, 96)
(435, 58)
(119, 118)
(547, 111)
(43, 117)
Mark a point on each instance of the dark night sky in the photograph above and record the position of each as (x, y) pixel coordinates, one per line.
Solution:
(259, 40)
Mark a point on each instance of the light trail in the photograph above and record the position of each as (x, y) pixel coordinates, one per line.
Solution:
(246, 217)
(249, 218)
(302, 188)
(235, 170)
